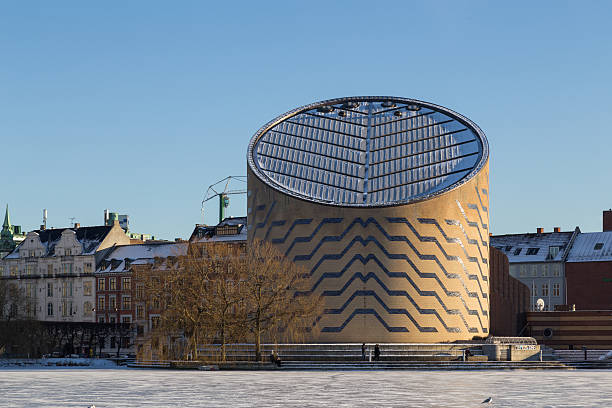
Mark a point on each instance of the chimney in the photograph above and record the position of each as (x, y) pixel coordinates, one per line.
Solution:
(557, 229)
(77, 225)
(540, 230)
(43, 227)
(607, 220)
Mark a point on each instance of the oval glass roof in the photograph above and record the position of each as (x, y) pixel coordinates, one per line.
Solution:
(367, 151)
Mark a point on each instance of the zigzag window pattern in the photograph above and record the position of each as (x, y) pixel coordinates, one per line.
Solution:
(370, 239)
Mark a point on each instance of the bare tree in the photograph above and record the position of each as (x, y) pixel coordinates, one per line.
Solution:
(278, 304)
(221, 292)
(199, 295)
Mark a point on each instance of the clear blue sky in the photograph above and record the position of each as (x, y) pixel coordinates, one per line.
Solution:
(138, 106)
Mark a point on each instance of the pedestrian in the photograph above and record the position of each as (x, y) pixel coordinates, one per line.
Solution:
(363, 351)
(376, 352)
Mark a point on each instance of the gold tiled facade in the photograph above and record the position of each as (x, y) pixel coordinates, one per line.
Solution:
(416, 272)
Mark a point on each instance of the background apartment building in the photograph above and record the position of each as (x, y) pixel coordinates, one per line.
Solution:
(538, 261)
(55, 269)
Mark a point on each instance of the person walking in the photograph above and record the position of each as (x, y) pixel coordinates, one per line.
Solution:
(363, 351)
(376, 352)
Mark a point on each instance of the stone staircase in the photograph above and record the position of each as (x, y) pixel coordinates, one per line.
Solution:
(425, 365)
(349, 353)
(578, 355)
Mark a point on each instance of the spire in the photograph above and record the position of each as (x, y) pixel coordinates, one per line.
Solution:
(7, 219)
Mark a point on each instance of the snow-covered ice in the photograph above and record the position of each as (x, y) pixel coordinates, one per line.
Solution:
(166, 388)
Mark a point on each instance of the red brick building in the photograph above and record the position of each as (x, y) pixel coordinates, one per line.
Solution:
(589, 271)
(120, 298)
(509, 298)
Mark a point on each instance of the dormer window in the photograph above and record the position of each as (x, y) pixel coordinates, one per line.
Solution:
(553, 251)
(532, 251)
(598, 246)
(517, 251)
(67, 252)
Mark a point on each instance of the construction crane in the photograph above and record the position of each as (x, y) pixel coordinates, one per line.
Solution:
(214, 190)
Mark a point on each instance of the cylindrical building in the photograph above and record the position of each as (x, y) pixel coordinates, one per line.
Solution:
(384, 201)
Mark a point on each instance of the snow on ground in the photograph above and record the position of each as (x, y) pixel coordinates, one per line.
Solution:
(173, 388)
(57, 363)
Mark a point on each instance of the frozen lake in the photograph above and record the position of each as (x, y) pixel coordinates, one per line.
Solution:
(161, 388)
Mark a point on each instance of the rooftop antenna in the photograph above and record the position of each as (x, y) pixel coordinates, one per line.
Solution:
(212, 192)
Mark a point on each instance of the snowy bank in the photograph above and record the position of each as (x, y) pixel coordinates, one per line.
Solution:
(57, 362)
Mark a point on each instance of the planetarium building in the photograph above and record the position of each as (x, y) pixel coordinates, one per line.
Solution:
(384, 202)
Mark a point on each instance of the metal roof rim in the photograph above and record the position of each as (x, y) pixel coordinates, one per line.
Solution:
(455, 115)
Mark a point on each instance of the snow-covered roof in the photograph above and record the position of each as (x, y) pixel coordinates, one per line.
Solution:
(139, 254)
(367, 151)
(591, 247)
(231, 229)
(533, 247)
(89, 237)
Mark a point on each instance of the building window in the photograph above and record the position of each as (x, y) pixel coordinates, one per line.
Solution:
(523, 271)
(553, 251)
(126, 302)
(112, 283)
(30, 290)
(49, 309)
(49, 289)
(126, 319)
(88, 267)
(111, 319)
(13, 269)
(556, 289)
(598, 246)
(154, 322)
(29, 309)
(87, 288)
(517, 251)
(64, 308)
(140, 330)
(112, 302)
(67, 268)
(140, 292)
(50, 269)
(29, 270)
(140, 312)
(101, 305)
(87, 309)
(556, 270)
(545, 270)
(532, 251)
(545, 289)
(126, 283)
(534, 270)
(66, 289)
(101, 320)
(101, 284)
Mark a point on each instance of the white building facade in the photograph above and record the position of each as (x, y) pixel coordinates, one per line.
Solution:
(55, 270)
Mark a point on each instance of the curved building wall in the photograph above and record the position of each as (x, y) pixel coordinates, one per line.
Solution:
(416, 272)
